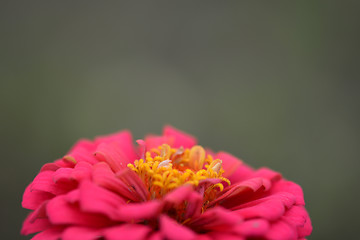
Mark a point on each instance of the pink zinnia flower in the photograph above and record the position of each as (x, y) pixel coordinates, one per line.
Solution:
(166, 188)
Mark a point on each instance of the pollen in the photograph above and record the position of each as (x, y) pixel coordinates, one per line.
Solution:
(165, 168)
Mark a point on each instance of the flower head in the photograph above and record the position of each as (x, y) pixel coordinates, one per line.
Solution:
(166, 188)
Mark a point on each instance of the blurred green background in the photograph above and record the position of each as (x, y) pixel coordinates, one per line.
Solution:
(274, 83)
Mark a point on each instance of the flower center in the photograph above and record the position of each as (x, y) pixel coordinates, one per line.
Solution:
(166, 168)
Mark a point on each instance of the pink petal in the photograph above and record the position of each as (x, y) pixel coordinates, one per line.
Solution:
(37, 226)
(193, 205)
(171, 230)
(306, 229)
(81, 145)
(105, 177)
(73, 196)
(286, 198)
(135, 212)
(33, 199)
(216, 219)
(298, 217)
(134, 183)
(270, 210)
(280, 230)
(36, 221)
(184, 194)
(225, 236)
(62, 174)
(242, 173)
(204, 184)
(70, 176)
(239, 193)
(61, 212)
(203, 237)
(153, 141)
(253, 228)
(83, 233)
(127, 231)
(155, 236)
(82, 154)
(178, 195)
(179, 138)
(50, 167)
(82, 170)
(44, 181)
(112, 154)
(65, 163)
(124, 140)
(49, 234)
(229, 163)
(268, 174)
(290, 187)
(95, 199)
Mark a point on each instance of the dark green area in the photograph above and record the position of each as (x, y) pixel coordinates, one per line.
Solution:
(274, 83)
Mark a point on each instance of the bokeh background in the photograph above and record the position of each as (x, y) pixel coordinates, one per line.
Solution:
(274, 83)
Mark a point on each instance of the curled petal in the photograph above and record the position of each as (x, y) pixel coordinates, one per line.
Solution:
(237, 194)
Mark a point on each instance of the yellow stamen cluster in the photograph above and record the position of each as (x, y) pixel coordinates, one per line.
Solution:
(166, 168)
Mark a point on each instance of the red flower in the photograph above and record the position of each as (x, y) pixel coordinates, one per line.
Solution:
(167, 188)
